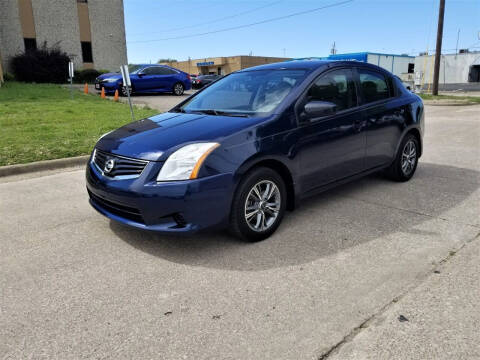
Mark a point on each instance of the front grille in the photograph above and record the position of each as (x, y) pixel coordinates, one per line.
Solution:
(123, 211)
(123, 167)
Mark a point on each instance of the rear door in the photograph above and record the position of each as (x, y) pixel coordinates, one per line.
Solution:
(167, 78)
(384, 118)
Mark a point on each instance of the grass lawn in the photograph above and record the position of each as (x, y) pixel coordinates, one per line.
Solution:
(466, 99)
(41, 122)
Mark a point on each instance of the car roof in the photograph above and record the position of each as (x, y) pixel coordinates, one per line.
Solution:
(145, 65)
(312, 65)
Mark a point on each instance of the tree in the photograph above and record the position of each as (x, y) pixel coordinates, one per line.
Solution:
(167, 60)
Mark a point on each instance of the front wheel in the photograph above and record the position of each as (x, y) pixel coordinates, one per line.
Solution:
(405, 164)
(123, 91)
(258, 205)
(178, 89)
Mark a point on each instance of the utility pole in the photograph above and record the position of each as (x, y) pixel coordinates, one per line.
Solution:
(333, 51)
(458, 37)
(438, 51)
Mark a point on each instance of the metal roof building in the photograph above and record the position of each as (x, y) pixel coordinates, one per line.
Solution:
(396, 64)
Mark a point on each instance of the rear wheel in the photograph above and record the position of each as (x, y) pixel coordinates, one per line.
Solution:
(178, 89)
(258, 205)
(405, 164)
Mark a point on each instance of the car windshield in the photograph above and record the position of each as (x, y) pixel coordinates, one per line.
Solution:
(247, 92)
(132, 68)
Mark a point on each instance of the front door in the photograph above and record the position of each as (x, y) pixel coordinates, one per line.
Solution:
(147, 79)
(332, 147)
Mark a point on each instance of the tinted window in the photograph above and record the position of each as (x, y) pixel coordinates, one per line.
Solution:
(248, 92)
(158, 70)
(153, 70)
(335, 86)
(87, 52)
(132, 68)
(374, 86)
(166, 71)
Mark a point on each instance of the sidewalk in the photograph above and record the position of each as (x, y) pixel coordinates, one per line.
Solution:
(440, 319)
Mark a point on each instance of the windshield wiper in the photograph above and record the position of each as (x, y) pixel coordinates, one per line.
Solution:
(208, 111)
(220, 112)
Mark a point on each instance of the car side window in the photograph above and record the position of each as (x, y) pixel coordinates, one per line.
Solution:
(374, 86)
(165, 71)
(149, 71)
(336, 86)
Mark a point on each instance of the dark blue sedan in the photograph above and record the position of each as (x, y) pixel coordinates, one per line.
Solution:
(242, 151)
(147, 78)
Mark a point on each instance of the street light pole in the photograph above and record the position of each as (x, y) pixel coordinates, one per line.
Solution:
(438, 51)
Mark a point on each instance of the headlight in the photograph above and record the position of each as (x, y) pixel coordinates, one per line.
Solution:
(185, 163)
(110, 80)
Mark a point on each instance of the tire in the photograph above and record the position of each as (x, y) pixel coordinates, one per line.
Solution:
(123, 91)
(178, 89)
(267, 215)
(406, 160)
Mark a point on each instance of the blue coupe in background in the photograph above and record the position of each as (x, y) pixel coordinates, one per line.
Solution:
(147, 78)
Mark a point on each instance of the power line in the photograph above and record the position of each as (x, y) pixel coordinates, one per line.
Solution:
(213, 21)
(246, 25)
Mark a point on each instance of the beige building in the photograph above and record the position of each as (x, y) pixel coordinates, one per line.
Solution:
(91, 32)
(222, 65)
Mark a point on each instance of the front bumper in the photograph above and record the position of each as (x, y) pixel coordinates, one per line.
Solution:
(109, 87)
(170, 207)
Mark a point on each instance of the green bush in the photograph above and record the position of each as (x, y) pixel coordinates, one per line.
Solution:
(43, 65)
(8, 77)
(87, 75)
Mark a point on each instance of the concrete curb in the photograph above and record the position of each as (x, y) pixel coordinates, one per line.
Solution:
(452, 102)
(43, 165)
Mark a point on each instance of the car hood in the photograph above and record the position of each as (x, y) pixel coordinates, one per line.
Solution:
(109, 75)
(151, 138)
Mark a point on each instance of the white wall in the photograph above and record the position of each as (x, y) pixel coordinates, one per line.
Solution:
(395, 64)
(454, 68)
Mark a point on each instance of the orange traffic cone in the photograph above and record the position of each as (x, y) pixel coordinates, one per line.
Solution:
(115, 97)
(85, 89)
(102, 95)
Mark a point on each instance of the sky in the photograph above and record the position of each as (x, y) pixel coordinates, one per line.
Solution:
(158, 29)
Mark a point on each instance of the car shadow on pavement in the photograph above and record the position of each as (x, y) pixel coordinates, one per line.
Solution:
(323, 225)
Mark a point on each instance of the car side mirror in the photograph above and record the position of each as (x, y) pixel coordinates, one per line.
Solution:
(315, 109)
(140, 74)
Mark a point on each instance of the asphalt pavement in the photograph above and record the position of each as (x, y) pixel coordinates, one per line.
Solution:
(331, 283)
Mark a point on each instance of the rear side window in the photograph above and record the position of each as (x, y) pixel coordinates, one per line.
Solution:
(166, 71)
(374, 86)
(335, 86)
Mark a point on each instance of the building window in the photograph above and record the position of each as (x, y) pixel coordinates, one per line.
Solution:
(87, 52)
(30, 44)
(411, 68)
(474, 74)
(82, 1)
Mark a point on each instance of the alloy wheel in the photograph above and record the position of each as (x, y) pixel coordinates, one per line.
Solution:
(262, 205)
(409, 157)
(178, 89)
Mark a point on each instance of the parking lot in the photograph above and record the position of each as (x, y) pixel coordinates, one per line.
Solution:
(331, 282)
